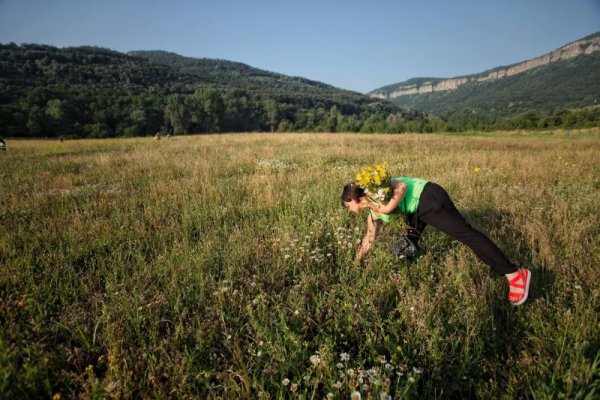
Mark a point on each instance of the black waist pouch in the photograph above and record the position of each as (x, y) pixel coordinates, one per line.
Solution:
(405, 248)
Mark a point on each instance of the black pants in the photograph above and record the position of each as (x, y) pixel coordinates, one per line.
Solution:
(437, 209)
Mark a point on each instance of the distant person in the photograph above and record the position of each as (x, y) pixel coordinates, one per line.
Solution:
(426, 203)
(2, 145)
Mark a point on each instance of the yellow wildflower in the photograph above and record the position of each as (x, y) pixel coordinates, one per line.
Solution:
(376, 180)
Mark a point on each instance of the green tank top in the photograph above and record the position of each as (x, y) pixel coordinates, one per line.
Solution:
(410, 203)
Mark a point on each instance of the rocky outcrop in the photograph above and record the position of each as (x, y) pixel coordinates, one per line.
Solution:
(583, 46)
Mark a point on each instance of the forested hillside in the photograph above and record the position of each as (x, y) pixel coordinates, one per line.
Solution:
(96, 92)
(226, 74)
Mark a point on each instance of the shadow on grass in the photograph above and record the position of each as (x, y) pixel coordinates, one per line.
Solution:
(513, 244)
(505, 326)
(492, 223)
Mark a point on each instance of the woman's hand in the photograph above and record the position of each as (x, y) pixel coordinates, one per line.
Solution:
(365, 245)
(399, 188)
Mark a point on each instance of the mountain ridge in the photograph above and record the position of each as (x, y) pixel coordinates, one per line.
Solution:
(584, 46)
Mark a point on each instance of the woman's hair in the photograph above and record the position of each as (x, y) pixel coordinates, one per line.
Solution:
(352, 192)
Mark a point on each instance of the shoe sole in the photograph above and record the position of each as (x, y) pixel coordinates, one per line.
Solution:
(518, 303)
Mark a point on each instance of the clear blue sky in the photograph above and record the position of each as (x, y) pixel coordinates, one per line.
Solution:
(353, 44)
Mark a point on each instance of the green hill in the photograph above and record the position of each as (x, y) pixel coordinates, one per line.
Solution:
(96, 92)
(228, 74)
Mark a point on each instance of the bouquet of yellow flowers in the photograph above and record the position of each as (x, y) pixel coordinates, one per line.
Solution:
(376, 181)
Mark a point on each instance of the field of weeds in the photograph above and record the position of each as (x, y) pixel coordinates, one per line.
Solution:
(220, 266)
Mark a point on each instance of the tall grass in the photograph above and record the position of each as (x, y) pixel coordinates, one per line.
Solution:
(221, 266)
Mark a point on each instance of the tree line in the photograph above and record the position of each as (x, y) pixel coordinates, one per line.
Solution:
(101, 114)
(471, 120)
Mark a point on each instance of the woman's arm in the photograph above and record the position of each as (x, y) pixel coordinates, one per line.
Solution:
(398, 194)
(365, 245)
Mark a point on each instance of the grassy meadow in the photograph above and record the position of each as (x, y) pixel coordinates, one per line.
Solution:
(220, 266)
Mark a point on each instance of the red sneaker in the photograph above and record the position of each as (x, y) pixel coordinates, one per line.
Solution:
(523, 275)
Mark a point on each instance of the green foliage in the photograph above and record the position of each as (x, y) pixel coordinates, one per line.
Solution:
(262, 84)
(471, 120)
(94, 92)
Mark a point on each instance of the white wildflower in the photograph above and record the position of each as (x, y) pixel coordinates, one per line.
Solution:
(315, 360)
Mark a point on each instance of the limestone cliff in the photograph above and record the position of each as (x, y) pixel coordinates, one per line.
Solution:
(586, 45)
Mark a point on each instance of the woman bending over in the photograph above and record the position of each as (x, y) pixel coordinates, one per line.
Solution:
(426, 203)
